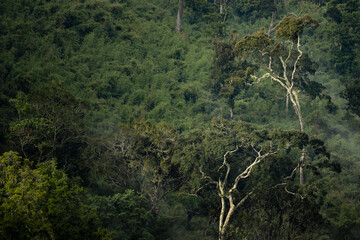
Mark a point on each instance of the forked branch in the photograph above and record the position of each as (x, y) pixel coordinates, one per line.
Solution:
(225, 214)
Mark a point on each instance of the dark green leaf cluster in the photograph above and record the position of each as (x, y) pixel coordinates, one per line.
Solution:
(344, 29)
(352, 95)
(49, 123)
(234, 84)
(252, 9)
(125, 214)
(291, 28)
(272, 217)
(344, 56)
(258, 41)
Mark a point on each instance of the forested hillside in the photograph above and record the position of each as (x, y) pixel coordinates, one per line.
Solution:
(186, 119)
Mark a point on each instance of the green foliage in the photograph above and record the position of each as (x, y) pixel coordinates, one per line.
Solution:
(204, 150)
(39, 201)
(351, 94)
(344, 29)
(253, 9)
(233, 84)
(253, 42)
(126, 104)
(217, 24)
(201, 158)
(137, 157)
(276, 214)
(50, 124)
(125, 216)
(229, 73)
(291, 28)
(259, 49)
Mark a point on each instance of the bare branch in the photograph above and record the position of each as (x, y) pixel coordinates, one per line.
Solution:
(271, 27)
(225, 163)
(270, 63)
(266, 75)
(246, 173)
(204, 176)
(263, 53)
(290, 50)
(293, 171)
(294, 14)
(289, 192)
(227, 153)
(243, 200)
(297, 59)
(258, 79)
(200, 188)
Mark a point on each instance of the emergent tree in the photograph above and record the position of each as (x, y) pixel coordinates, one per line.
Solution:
(281, 61)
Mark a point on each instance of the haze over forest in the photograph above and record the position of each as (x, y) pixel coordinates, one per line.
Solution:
(180, 120)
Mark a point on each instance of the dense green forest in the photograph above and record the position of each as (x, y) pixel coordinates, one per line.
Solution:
(186, 119)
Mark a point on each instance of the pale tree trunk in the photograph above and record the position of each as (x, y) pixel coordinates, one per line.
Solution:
(287, 105)
(226, 195)
(303, 151)
(223, 7)
(179, 15)
(273, 14)
(296, 105)
(223, 10)
(271, 27)
(223, 224)
(298, 113)
(302, 161)
(291, 94)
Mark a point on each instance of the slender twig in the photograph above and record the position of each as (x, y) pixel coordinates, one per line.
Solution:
(287, 190)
